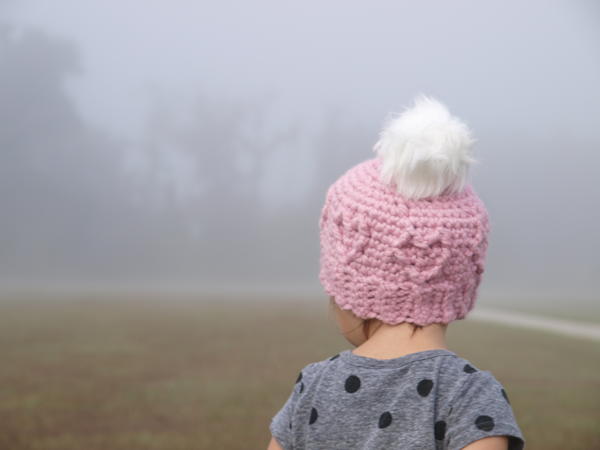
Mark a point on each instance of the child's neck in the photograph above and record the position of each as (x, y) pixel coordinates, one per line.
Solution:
(393, 341)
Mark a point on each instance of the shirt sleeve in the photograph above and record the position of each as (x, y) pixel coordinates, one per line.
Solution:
(281, 423)
(481, 408)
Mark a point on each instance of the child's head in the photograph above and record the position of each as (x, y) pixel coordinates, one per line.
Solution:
(404, 235)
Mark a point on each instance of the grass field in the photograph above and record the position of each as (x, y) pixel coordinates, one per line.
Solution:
(147, 373)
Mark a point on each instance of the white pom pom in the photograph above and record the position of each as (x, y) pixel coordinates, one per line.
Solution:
(425, 150)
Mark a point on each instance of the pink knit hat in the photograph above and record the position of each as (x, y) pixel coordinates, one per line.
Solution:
(403, 235)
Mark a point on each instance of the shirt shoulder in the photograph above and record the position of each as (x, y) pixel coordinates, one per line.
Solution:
(318, 366)
(281, 423)
(311, 371)
(477, 406)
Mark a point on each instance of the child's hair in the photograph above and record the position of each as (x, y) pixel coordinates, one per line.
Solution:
(366, 323)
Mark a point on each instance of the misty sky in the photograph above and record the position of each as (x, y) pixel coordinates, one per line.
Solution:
(191, 143)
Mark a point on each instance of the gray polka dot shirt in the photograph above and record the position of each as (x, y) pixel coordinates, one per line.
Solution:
(431, 399)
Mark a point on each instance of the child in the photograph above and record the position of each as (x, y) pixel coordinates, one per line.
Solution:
(403, 245)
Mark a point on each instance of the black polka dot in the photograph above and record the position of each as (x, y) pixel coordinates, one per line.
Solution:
(485, 423)
(301, 387)
(334, 357)
(313, 416)
(440, 430)
(299, 377)
(424, 387)
(505, 396)
(385, 419)
(469, 369)
(352, 383)
(290, 425)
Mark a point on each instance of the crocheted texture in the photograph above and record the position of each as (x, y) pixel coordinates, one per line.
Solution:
(399, 260)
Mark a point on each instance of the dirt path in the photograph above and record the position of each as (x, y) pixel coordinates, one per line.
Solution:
(531, 321)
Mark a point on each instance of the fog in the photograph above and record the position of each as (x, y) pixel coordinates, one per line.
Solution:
(189, 145)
